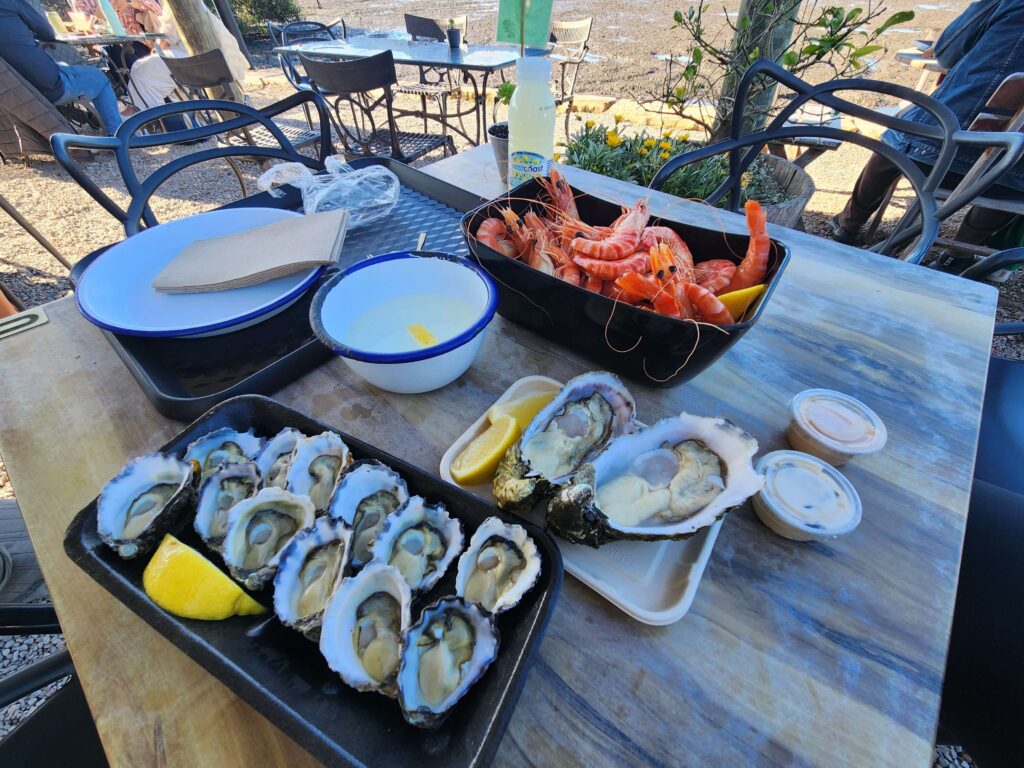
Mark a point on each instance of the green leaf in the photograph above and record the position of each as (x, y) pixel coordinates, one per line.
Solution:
(697, 56)
(865, 50)
(790, 59)
(810, 50)
(901, 17)
(678, 16)
(744, 23)
(853, 15)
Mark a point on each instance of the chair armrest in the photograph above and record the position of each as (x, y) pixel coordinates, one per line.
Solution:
(18, 619)
(35, 676)
(1011, 257)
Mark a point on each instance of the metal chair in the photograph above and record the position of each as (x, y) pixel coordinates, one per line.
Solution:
(435, 83)
(27, 118)
(571, 43)
(312, 30)
(743, 150)
(355, 84)
(129, 137)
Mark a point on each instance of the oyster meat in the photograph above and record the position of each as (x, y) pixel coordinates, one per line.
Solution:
(315, 466)
(363, 627)
(223, 446)
(219, 493)
(311, 567)
(665, 482)
(276, 457)
(258, 530)
(590, 410)
(365, 496)
(499, 566)
(421, 541)
(445, 652)
(143, 502)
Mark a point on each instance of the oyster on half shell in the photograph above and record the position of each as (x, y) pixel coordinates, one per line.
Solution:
(590, 410)
(223, 446)
(316, 464)
(445, 652)
(258, 530)
(499, 566)
(218, 494)
(364, 625)
(143, 502)
(421, 541)
(276, 457)
(664, 482)
(365, 496)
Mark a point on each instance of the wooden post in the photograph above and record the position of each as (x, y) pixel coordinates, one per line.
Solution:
(228, 17)
(198, 35)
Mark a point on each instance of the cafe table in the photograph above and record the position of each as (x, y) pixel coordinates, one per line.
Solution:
(469, 60)
(108, 39)
(828, 653)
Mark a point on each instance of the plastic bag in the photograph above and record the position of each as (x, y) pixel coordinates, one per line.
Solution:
(369, 194)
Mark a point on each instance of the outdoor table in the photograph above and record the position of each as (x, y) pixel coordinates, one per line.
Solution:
(827, 653)
(108, 39)
(470, 60)
(923, 60)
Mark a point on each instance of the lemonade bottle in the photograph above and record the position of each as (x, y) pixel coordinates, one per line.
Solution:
(531, 121)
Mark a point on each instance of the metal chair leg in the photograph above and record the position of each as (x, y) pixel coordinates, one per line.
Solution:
(238, 175)
(880, 213)
(11, 211)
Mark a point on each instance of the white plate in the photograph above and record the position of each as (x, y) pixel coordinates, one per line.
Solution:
(654, 582)
(115, 291)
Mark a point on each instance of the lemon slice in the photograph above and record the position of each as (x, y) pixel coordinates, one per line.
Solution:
(478, 460)
(522, 410)
(737, 302)
(423, 337)
(183, 582)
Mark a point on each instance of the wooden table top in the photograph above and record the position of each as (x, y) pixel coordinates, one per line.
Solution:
(793, 654)
(72, 38)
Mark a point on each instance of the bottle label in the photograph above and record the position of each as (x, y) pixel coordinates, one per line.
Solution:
(523, 166)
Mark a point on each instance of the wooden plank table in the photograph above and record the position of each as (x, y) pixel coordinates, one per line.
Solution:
(792, 654)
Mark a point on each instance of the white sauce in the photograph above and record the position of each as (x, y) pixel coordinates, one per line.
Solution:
(385, 327)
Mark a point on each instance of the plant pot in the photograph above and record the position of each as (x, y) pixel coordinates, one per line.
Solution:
(797, 183)
(455, 38)
(497, 136)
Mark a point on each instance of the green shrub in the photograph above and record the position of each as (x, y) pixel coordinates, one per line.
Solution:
(253, 15)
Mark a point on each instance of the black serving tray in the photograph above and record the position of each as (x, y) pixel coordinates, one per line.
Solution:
(183, 377)
(640, 345)
(283, 675)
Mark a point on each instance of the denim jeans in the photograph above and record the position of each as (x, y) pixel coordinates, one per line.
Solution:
(82, 82)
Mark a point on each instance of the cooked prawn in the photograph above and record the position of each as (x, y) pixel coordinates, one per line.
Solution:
(654, 236)
(623, 240)
(609, 270)
(714, 274)
(708, 306)
(754, 266)
(672, 276)
(493, 233)
(560, 192)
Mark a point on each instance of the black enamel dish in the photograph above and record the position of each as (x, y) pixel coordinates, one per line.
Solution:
(283, 675)
(640, 345)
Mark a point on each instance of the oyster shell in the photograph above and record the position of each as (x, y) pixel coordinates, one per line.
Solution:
(363, 627)
(365, 496)
(315, 466)
(258, 530)
(310, 568)
(665, 482)
(500, 565)
(445, 652)
(421, 541)
(276, 457)
(218, 494)
(589, 411)
(223, 446)
(143, 502)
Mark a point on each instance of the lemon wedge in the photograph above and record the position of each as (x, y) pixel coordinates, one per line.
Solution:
(522, 410)
(183, 582)
(423, 337)
(737, 302)
(478, 460)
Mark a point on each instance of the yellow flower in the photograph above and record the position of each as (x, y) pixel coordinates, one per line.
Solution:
(618, 119)
(649, 143)
(683, 137)
(612, 139)
(665, 144)
(664, 155)
(642, 151)
(744, 180)
(589, 124)
(667, 135)
(558, 157)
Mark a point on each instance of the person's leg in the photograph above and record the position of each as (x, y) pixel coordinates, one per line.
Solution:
(977, 227)
(874, 181)
(84, 82)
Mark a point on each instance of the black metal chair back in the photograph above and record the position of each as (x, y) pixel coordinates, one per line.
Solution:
(424, 28)
(297, 32)
(203, 72)
(744, 149)
(128, 138)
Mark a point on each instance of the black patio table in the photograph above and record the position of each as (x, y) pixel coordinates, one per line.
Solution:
(471, 60)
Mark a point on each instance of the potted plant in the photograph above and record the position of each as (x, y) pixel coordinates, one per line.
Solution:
(454, 35)
(497, 133)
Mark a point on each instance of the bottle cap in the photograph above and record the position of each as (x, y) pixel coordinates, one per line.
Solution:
(833, 426)
(532, 67)
(804, 498)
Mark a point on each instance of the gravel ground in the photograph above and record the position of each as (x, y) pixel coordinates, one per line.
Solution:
(18, 652)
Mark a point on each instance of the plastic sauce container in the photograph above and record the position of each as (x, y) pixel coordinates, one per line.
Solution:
(805, 498)
(833, 426)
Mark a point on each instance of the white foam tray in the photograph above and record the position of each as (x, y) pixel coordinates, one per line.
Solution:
(654, 582)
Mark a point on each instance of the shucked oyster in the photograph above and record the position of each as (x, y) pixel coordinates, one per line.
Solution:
(445, 652)
(218, 494)
(258, 529)
(421, 541)
(276, 457)
(365, 496)
(589, 411)
(363, 627)
(664, 482)
(315, 466)
(223, 446)
(143, 502)
(311, 567)
(499, 566)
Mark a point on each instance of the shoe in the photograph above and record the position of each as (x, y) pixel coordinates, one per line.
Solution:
(843, 235)
(951, 264)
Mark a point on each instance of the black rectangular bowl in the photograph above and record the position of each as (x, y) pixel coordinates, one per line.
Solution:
(640, 345)
(284, 677)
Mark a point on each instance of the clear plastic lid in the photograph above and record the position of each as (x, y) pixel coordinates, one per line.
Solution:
(533, 68)
(838, 421)
(808, 494)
